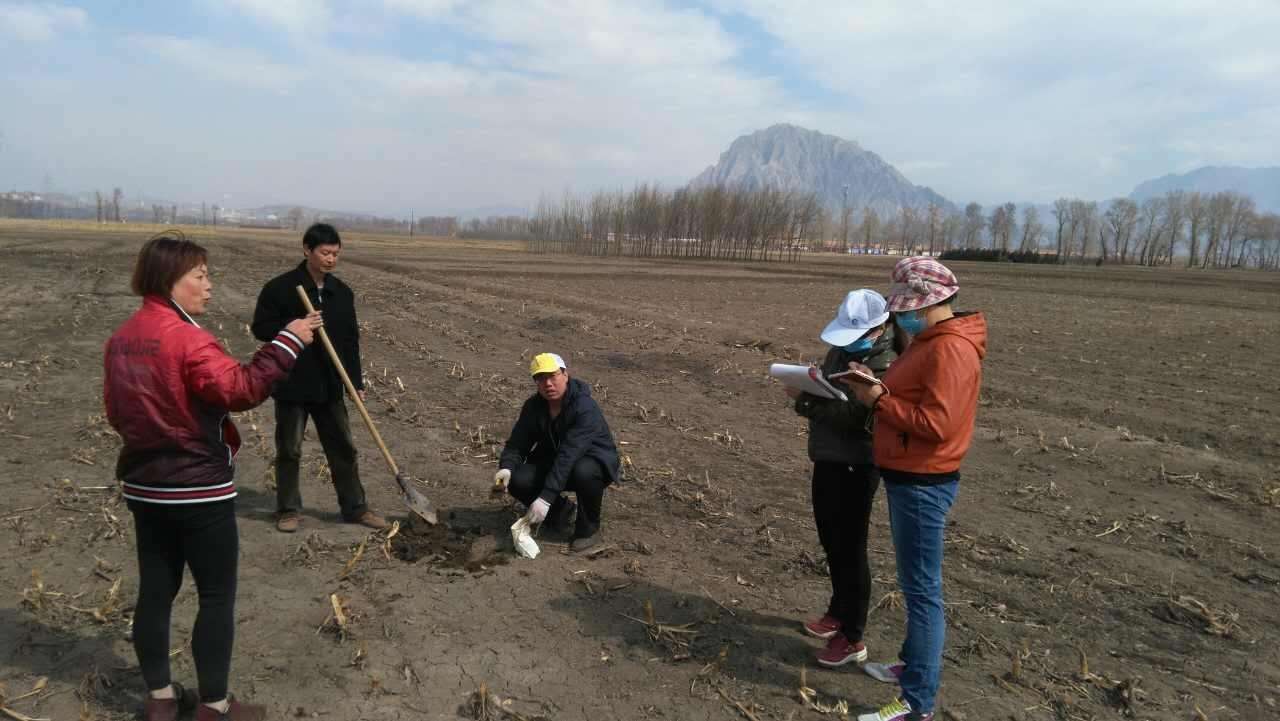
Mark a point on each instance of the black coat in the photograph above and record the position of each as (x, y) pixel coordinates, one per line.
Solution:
(839, 431)
(580, 431)
(314, 379)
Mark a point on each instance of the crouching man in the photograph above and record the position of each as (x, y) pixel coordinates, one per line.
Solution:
(560, 443)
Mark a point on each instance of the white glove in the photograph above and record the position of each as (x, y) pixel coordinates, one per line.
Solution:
(538, 511)
(502, 478)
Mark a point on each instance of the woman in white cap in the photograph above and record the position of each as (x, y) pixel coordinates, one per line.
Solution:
(560, 443)
(924, 415)
(844, 475)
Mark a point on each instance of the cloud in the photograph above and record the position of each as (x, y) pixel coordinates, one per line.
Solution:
(423, 8)
(296, 16)
(242, 67)
(431, 104)
(1022, 97)
(39, 22)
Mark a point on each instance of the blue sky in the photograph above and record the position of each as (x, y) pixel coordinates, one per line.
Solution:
(395, 106)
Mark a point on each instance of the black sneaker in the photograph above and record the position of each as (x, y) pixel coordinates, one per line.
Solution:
(579, 545)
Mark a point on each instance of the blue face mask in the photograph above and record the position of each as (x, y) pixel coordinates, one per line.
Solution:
(861, 345)
(912, 323)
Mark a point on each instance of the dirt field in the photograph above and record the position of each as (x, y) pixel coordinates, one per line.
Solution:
(1114, 552)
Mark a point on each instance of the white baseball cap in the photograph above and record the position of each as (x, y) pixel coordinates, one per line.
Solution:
(861, 310)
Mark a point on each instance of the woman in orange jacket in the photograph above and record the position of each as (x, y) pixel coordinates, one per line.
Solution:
(924, 419)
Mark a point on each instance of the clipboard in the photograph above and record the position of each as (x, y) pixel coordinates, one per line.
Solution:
(806, 378)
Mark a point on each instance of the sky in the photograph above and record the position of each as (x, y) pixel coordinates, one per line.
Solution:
(433, 106)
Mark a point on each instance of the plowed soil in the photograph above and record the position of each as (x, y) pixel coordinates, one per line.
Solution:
(1114, 552)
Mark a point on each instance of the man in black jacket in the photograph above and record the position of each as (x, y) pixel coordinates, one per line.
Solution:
(314, 388)
(560, 442)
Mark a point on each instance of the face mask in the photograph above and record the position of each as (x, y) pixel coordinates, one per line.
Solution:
(861, 345)
(912, 323)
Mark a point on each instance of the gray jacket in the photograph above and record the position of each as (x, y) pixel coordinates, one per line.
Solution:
(839, 430)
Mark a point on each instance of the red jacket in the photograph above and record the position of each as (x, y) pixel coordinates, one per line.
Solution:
(925, 423)
(168, 386)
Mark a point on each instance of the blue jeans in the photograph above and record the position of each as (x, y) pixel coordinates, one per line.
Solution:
(918, 516)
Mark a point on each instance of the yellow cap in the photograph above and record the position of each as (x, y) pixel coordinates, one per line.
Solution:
(546, 363)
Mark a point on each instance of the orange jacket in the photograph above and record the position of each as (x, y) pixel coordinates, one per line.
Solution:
(925, 423)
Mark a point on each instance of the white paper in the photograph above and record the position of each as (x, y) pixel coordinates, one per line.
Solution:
(523, 539)
(807, 379)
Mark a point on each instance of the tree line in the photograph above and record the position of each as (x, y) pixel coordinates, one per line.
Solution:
(714, 223)
(1192, 229)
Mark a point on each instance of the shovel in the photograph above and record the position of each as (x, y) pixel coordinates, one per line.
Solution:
(411, 496)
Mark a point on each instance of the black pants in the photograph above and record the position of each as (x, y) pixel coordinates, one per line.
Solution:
(842, 497)
(204, 538)
(334, 429)
(587, 479)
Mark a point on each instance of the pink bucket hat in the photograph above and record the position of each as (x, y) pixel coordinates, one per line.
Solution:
(920, 282)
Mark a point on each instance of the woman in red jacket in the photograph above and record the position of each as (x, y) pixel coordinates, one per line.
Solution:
(924, 417)
(168, 387)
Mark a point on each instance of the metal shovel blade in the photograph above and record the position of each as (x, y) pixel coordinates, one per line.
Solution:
(416, 502)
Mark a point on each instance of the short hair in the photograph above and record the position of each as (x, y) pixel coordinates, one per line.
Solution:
(162, 262)
(321, 234)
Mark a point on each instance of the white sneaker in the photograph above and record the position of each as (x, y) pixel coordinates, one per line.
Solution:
(899, 710)
(884, 672)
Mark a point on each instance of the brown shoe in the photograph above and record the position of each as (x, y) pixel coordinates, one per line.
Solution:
(288, 522)
(371, 520)
(236, 711)
(168, 709)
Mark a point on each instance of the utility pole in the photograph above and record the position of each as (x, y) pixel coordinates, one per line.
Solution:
(844, 219)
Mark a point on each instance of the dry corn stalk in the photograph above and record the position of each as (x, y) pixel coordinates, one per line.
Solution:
(809, 697)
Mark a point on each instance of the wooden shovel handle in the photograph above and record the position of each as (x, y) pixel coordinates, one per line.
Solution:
(346, 381)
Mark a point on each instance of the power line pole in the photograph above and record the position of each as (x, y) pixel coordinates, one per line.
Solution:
(844, 219)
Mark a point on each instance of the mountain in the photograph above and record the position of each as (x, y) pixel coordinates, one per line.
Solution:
(787, 157)
(1263, 184)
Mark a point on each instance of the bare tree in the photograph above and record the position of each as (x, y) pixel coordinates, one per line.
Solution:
(973, 225)
(116, 196)
(215, 209)
(1171, 230)
(1031, 229)
(158, 212)
(1240, 220)
(935, 226)
(998, 224)
(1121, 218)
(98, 193)
(295, 216)
(1150, 213)
(908, 230)
(1089, 227)
(869, 227)
(1062, 213)
(1197, 213)
(173, 214)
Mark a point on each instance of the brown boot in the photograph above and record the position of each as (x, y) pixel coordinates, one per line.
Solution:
(288, 522)
(168, 709)
(236, 711)
(371, 520)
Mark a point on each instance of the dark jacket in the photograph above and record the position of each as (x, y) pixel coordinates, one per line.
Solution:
(167, 386)
(314, 379)
(580, 431)
(838, 430)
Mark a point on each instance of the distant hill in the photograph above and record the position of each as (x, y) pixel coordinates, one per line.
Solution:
(787, 157)
(1263, 184)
